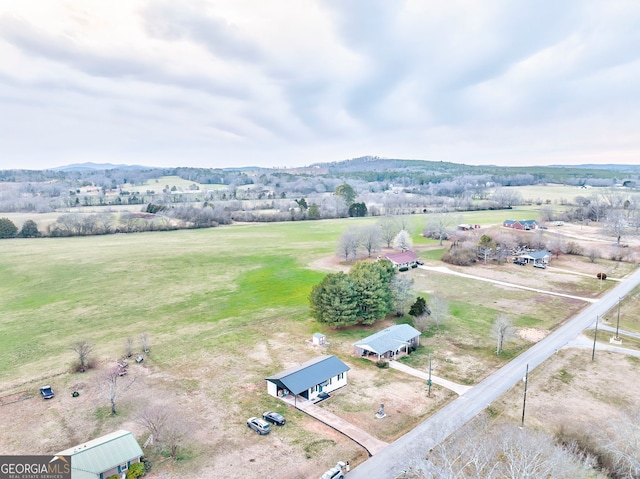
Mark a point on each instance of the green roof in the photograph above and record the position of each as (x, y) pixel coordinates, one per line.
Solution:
(90, 459)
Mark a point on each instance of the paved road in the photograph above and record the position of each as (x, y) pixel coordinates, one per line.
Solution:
(398, 456)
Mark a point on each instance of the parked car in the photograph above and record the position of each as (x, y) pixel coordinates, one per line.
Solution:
(335, 472)
(420, 263)
(519, 261)
(259, 425)
(47, 392)
(539, 265)
(274, 418)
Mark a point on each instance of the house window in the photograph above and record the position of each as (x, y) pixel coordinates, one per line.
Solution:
(123, 467)
(340, 376)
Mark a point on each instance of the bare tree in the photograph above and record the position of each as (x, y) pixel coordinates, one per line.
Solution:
(401, 291)
(616, 224)
(128, 347)
(507, 198)
(593, 254)
(389, 228)
(502, 331)
(439, 310)
(481, 450)
(83, 349)
(167, 426)
(112, 383)
(145, 342)
(370, 238)
(439, 226)
(619, 440)
(403, 241)
(557, 246)
(348, 244)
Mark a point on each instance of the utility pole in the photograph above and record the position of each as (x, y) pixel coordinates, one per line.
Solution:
(618, 322)
(595, 336)
(524, 402)
(429, 380)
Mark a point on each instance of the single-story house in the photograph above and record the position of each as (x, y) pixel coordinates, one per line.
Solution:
(464, 227)
(309, 379)
(389, 342)
(104, 456)
(536, 257)
(520, 224)
(406, 259)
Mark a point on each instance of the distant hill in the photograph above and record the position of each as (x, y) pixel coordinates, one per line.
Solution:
(99, 166)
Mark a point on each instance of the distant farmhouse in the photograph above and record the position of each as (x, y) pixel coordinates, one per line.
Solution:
(521, 224)
(104, 456)
(389, 342)
(406, 259)
(541, 257)
(310, 379)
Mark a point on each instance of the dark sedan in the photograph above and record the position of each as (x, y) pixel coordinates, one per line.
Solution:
(274, 418)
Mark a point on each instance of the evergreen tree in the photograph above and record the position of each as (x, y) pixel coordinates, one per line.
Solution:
(7, 228)
(29, 229)
(333, 301)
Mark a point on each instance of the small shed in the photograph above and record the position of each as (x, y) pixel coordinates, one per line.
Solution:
(104, 456)
(389, 342)
(319, 339)
(309, 379)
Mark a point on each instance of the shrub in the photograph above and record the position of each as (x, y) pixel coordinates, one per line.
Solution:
(601, 275)
(136, 470)
(459, 257)
(574, 248)
(382, 364)
(114, 476)
(147, 463)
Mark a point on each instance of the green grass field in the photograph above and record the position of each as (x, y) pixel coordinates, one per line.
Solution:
(197, 289)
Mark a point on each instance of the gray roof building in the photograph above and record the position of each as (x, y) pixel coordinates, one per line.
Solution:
(305, 376)
(104, 456)
(388, 342)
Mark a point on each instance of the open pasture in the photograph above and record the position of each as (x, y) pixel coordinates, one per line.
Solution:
(224, 308)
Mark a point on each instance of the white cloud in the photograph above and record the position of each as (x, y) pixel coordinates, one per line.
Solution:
(245, 82)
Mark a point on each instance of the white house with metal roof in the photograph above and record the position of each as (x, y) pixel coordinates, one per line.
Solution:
(309, 379)
(104, 456)
(389, 342)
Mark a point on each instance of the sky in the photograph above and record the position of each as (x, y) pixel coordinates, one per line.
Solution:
(229, 83)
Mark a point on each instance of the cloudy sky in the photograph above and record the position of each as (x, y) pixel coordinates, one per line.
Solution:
(219, 83)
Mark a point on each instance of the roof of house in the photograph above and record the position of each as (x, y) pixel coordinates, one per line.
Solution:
(310, 373)
(103, 453)
(404, 257)
(389, 339)
(522, 222)
(536, 254)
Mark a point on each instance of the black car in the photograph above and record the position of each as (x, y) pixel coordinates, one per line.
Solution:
(47, 392)
(274, 417)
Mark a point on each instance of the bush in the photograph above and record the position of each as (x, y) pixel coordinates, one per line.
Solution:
(574, 248)
(115, 476)
(601, 275)
(147, 463)
(136, 470)
(459, 257)
(382, 364)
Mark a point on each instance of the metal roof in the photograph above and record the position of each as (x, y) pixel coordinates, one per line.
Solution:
(390, 339)
(404, 257)
(103, 453)
(308, 374)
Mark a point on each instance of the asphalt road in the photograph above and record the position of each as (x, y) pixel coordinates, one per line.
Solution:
(407, 450)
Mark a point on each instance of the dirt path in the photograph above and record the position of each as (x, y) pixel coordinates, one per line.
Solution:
(445, 270)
